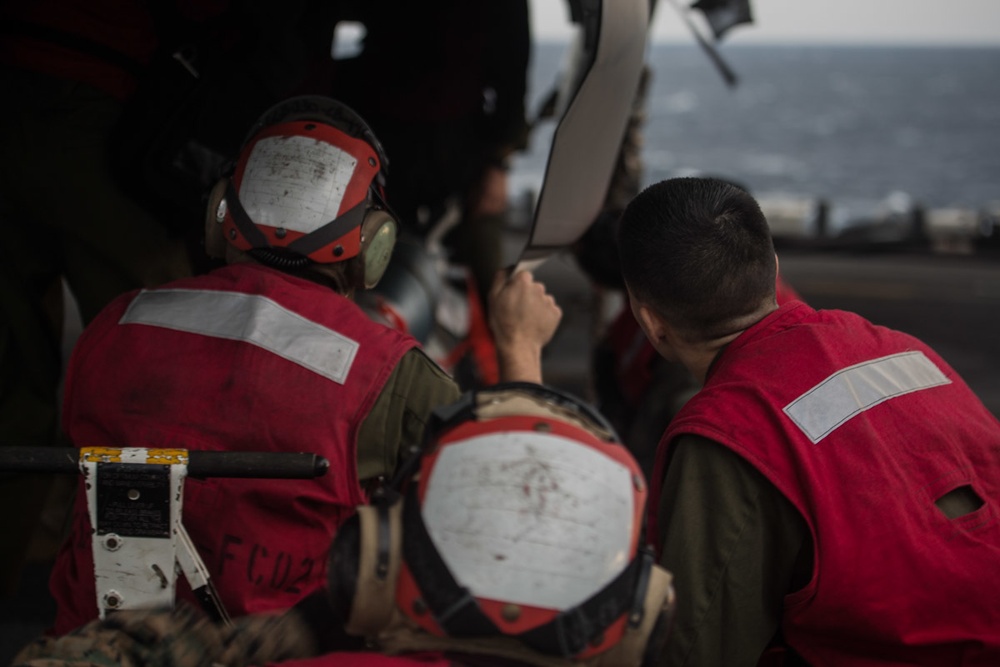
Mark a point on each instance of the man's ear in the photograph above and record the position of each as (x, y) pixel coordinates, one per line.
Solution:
(659, 332)
(652, 324)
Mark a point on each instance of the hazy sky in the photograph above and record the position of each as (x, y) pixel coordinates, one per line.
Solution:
(872, 21)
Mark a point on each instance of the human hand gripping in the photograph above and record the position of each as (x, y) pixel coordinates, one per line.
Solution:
(523, 319)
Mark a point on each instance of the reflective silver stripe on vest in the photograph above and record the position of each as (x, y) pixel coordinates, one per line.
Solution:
(849, 392)
(248, 318)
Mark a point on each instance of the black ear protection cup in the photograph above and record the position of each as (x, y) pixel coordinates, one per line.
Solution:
(378, 238)
(215, 215)
(363, 567)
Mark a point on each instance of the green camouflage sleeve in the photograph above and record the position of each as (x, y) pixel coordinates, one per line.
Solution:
(183, 637)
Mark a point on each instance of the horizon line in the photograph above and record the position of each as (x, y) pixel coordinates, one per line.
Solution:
(792, 41)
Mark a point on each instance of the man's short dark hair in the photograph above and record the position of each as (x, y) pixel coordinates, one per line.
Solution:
(699, 253)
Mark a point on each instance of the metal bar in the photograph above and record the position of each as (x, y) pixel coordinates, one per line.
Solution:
(202, 464)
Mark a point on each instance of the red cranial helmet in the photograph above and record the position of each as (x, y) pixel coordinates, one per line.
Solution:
(521, 535)
(308, 186)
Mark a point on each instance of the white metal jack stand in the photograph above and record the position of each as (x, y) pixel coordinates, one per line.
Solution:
(135, 497)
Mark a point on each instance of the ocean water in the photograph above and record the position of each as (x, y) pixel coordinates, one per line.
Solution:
(851, 124)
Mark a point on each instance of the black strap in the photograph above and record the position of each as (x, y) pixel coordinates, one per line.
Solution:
(250, 232)
(304, 245)
(453, 606)
(573, 629)
(331, 231)
(382, 552)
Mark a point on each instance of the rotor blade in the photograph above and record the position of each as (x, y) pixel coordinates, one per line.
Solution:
(587, 139)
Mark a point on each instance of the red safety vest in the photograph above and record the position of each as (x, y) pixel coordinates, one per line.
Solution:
(863, 428)
(244, 358)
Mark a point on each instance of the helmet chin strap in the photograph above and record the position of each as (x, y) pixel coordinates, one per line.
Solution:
(243, 223)
(332, 230)
(335, 275)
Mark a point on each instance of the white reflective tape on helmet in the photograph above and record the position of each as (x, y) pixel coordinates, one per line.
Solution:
(530, 518)
(296, 183)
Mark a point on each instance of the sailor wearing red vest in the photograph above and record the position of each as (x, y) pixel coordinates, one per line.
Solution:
(511, 538)
(833, 488)
(269, 353)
